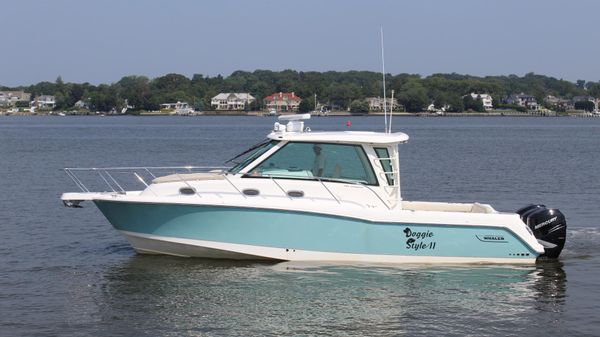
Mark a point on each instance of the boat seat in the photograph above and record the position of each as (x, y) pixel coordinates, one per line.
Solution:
(482, 208)
(447, 207)
(187, 177)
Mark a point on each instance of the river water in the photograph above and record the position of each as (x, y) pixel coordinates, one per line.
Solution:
(66, 272)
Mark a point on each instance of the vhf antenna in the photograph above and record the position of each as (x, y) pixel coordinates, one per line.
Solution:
(383, 73)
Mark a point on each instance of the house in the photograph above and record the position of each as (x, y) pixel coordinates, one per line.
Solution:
(44, 102)
(486, 99)
(174, 106)
(431, 108)
(582, 99)
(596, 101)
(82, 104)
(527, 101)
(558, 103)
(231, 101)
(376, 103)
(179, 108)
(10, 98)
(283, 102)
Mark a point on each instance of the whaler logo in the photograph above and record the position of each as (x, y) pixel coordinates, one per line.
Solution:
(540, 225)
(491, 238)
(415, 240)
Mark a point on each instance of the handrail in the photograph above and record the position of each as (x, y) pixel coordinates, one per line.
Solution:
(104, 173)
(142, 168)
(111, 182)
(235, 187)
(333, 195)
(345, 181)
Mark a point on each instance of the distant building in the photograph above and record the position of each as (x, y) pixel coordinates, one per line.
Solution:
(174, 106)
(527, 101)
(431, 108)
(582, 99)
(376, 103)
(44, 101)
(282, 102)
(558, 103)
(486, 99)
(231, 101)
(596, 101)
(10, 98)
(179, 108)
(81, 105)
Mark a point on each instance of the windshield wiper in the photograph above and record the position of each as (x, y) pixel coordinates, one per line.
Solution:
(254, 147)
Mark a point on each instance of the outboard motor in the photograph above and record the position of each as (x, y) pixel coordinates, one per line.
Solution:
(548, 225)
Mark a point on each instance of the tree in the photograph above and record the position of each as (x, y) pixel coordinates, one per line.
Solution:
(594, 89)
(413, 96)
(475, 104)
(135, 89)
(339, 89)
(455, 103)
(359, 106)
(306, 105)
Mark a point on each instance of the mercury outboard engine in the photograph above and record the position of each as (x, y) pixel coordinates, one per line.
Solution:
(548, 225)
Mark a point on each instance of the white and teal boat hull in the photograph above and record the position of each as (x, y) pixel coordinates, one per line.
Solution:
(313, 196)
(271, 234)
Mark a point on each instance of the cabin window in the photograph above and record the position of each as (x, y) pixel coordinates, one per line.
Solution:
(329, 162)
(386, 163)
(248, 156)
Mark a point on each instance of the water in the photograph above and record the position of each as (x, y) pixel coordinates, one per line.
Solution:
(67, 272)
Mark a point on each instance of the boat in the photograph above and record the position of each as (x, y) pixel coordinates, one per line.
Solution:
(305, 195)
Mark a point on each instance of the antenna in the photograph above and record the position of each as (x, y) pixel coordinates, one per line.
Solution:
(391, 112)
(383, 73)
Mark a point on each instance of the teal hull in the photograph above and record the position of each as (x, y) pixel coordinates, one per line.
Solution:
(312, 232)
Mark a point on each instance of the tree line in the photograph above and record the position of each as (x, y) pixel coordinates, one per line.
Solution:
(341, 90)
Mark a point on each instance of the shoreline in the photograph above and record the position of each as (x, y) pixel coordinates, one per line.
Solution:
(330, 114)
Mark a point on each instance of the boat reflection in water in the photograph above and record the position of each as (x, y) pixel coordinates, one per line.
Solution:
(169, 295)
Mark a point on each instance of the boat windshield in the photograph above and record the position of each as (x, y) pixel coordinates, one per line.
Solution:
(320, 161)
(246, 157)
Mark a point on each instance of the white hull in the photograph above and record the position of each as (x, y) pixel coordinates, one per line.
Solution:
(153, 244)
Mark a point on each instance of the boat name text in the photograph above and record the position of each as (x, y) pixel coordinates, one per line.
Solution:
(415, 240)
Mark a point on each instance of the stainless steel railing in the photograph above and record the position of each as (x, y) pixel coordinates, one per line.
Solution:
(107, 175)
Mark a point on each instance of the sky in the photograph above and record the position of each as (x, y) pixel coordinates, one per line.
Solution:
(102, 41)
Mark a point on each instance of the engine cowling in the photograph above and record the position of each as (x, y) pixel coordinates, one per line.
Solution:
(548, 225)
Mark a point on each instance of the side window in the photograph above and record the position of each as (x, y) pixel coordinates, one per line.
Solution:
(386, 163)
(321, 160)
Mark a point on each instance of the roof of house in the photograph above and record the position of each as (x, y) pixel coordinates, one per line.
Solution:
(227, 95)
(290, 96)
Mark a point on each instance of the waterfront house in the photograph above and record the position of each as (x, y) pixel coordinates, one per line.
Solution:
(10, 98)
(558, 103)
(179, 108)
(81, 105)
(376, 103)
(231, 101)
(527, 101)
(596, 101)
(44, 102)
(582, 99)
(283, 102)
(486, 99)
